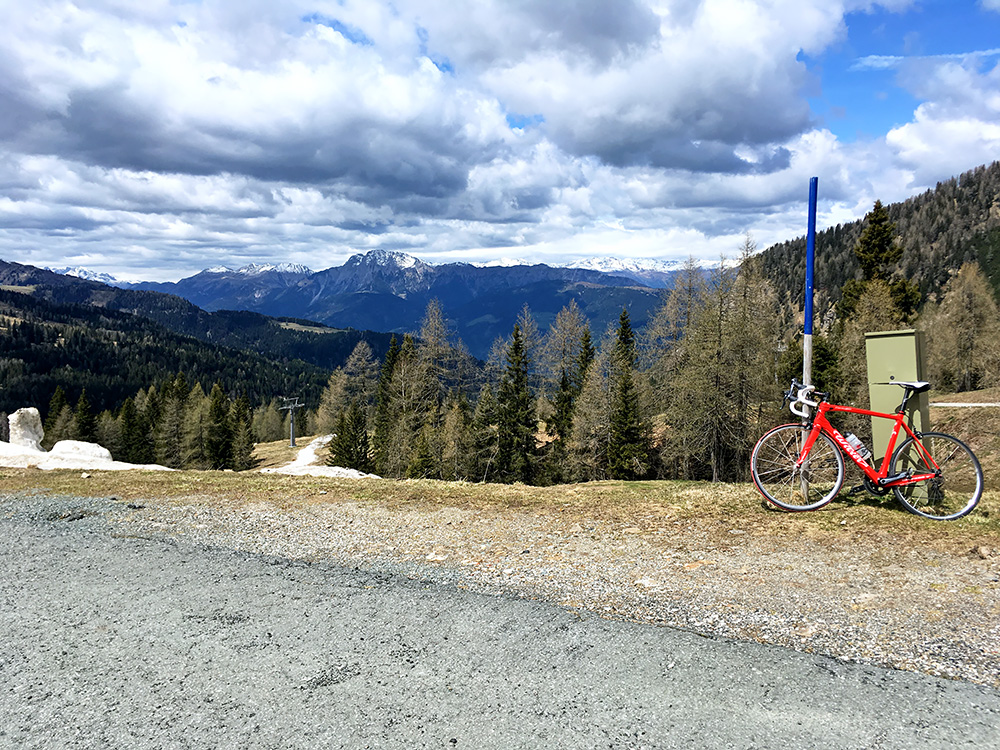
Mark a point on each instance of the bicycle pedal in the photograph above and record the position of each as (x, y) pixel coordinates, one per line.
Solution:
(856, 490)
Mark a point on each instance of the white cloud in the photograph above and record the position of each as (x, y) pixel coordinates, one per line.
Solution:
(174, 136)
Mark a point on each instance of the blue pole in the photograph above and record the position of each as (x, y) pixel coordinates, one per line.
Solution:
(810, 254)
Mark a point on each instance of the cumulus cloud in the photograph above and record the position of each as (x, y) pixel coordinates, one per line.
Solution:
(172, 136)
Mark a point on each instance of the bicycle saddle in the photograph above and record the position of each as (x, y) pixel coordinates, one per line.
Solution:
(917, 386)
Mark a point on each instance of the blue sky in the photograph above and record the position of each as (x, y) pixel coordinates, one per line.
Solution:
(861, 100)
(152, 140)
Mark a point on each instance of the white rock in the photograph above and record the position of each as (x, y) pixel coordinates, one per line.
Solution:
(26, 428)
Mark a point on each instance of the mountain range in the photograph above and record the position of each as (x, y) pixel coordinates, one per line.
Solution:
(389, 291)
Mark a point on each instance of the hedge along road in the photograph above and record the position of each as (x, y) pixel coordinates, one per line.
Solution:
(112, 642)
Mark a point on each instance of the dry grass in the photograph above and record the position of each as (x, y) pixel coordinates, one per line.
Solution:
(278, 453)
(978, 426)
(629, 507)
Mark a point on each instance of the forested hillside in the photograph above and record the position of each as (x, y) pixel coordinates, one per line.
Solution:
(939, 231)
(276, 339)
(113, 354)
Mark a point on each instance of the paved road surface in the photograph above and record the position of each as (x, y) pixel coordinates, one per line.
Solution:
(133, 643)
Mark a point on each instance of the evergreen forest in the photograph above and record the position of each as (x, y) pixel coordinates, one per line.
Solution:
(684, 398)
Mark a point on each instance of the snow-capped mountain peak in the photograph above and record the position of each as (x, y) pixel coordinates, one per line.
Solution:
(503, 263)
(85, 273)
(618, 265)
(256, 269)
(383, 258)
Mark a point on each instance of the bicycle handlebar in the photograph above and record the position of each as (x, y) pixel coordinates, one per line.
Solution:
(799, 394)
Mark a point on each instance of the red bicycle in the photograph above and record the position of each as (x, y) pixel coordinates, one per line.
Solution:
(801, 466)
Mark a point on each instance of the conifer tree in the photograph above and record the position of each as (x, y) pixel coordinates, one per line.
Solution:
(243, 443)
(878, 251)
(84, 421)
(485, 448)
(384, 419)
(349, 445)
(195, 455)
(422, 464)
(133, 434)
(218, 430)
(629, 442)
(107, 433)
(456, 442)
(62, 428)
(963, 333)
(516, 424)
(168, 436)
(57, 403)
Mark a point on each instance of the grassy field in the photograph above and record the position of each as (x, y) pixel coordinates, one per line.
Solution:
(632, 507)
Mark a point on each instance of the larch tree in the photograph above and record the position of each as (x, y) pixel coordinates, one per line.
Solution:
(963, 333)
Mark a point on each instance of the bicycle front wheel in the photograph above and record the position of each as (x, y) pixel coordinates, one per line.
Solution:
(953, 493)
(807, 487)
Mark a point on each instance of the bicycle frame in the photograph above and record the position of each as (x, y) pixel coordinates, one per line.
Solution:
(820, 423)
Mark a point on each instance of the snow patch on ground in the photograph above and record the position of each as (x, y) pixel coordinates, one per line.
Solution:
(66, 454)
(74, 454)
(307, 463)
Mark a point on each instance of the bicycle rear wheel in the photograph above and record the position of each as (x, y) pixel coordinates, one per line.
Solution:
(951, 495)
(807, 487)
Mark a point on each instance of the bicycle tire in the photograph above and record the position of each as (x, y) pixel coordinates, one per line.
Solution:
(953, 494)
(790, 487)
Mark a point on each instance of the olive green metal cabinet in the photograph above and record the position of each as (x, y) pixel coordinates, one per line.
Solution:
(895, 355)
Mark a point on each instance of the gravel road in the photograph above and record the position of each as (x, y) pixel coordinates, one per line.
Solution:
(114, 641)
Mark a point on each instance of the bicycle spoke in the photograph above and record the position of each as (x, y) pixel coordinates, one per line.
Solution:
(951, 494)
(791, 486)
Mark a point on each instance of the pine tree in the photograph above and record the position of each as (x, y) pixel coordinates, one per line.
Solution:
(168, 437)
(878, 250)
(422, 464)
(56, 405)
(485, 449)
(349, 444)
(108, 434)
(724, 376)
(84, 421)
(62, 428)
(243, 443)
(195, 455)
(561, 348)
(384, 418)
(131, 428)
(516, 424)
(456, 441)
(629, 442)
(218, 430)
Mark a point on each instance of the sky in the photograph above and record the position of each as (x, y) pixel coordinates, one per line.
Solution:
(153, 139)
